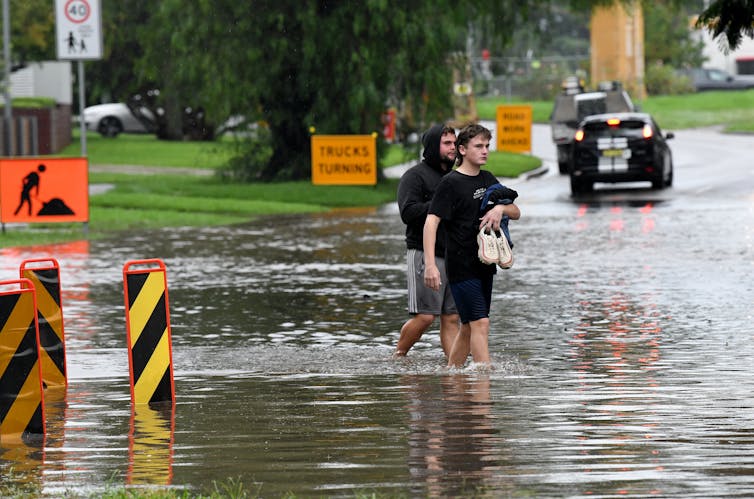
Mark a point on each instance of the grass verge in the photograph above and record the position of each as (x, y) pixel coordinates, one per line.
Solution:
(733, 110)
(146, 150)
(155, 201)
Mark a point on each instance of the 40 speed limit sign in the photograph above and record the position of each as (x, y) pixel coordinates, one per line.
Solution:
(78, 29)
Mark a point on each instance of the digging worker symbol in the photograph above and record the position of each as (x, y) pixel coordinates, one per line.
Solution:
(31, 182)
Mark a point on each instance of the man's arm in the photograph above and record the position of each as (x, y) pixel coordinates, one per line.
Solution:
(413, 208)
(431, 272)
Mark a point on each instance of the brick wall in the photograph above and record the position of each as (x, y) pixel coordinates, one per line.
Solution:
(38, 131)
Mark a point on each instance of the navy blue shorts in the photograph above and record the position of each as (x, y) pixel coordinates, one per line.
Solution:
(473, 298)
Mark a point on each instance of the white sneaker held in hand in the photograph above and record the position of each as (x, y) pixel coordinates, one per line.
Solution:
(489, 249)
(505, 254)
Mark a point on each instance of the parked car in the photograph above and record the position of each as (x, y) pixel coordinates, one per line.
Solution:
(574, 104)
(620, 147)
(109, 120)
(715, 79)
(143, 113)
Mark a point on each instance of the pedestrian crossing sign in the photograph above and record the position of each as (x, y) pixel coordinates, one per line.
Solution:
(78, 30)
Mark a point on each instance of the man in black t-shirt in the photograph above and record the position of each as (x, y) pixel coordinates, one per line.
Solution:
(457, 204)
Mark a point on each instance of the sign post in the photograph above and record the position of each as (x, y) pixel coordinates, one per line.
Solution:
(78, 36)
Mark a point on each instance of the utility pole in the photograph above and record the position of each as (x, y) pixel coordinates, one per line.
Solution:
(8, 108)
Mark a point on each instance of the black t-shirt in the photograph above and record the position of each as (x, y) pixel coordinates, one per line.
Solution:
(456, 202)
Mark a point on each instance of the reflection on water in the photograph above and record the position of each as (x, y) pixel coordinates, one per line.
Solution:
(454, 440)
(622, 360)
(150, 445)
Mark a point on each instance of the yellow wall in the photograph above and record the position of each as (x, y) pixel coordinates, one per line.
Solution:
(617, 44)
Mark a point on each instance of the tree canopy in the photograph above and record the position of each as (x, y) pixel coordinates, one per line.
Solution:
(331, 65)
(293, 65)
(731, 20)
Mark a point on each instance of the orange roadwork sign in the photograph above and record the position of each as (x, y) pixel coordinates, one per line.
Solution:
(344, 160)
(514, 128)
(44, 190)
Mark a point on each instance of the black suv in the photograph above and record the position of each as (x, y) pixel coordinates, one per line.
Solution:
(620, 147)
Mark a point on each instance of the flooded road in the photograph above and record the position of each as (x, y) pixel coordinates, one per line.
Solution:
(622, 342)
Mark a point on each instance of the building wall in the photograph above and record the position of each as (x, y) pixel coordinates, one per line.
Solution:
(720, 58)
(37, 131)
(617, 46)
(51, 79)
(50, 127)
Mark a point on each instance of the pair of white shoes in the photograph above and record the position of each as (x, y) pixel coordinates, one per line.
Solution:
(494, 248)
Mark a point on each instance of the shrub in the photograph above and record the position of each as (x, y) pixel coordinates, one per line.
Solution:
(252, 158)
(664, 80)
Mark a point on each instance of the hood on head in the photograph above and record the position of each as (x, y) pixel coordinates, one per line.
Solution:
(431, 143)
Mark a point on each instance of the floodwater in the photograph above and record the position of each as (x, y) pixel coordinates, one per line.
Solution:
(622, 345)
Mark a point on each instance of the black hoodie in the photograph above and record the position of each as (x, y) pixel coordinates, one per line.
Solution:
(416, 188)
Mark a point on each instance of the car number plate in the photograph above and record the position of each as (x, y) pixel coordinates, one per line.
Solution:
(616, 153)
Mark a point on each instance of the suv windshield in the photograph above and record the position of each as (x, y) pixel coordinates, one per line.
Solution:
(589, 104)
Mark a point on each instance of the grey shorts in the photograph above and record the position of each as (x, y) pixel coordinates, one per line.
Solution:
(421, 299)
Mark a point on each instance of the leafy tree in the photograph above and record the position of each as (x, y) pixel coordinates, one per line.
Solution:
(295, 64)
(667, 36)
(730, 19)
(115, 77)
(330, 65)
(32, 30)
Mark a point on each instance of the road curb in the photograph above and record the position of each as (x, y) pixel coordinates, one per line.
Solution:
(537, 172)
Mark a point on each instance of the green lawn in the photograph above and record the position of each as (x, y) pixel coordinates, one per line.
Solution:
(734, 110)
(146, 150)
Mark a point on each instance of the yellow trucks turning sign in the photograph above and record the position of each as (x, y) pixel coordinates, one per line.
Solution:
(344, 160)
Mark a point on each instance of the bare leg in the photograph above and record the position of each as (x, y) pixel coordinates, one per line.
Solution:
(461, 347)
(480, 331)
(449, 328)
(411, 331)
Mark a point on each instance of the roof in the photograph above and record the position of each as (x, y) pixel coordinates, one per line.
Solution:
(622, 116)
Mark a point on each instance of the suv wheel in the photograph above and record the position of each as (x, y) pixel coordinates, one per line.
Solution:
(669, 180)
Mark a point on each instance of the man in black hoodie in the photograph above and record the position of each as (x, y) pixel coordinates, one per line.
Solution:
(415, 191)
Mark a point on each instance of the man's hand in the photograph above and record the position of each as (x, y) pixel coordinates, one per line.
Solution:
(492, 218)
(432, 277)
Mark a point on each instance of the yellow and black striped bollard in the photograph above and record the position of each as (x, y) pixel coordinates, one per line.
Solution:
(44, 273)
(21, 396)
(148, 331)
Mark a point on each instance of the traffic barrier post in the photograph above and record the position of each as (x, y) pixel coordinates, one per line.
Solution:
(148, 331)
(21, 394)
(44, 273)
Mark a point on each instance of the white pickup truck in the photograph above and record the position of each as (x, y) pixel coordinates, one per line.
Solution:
(573, 106)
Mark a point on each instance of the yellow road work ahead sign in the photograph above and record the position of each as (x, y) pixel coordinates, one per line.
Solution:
(344, 160)
(514, 128)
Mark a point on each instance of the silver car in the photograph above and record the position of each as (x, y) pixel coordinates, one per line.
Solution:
(111, 119)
